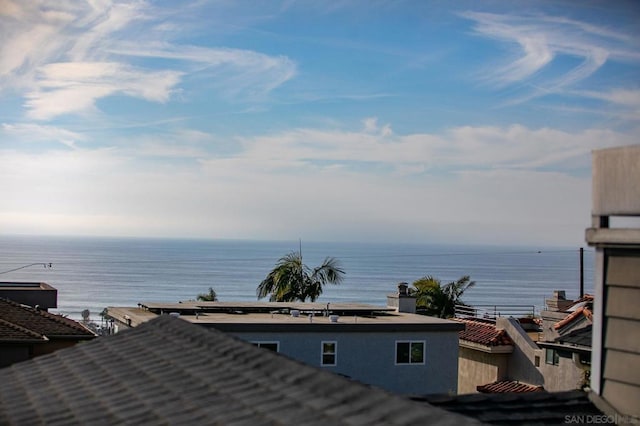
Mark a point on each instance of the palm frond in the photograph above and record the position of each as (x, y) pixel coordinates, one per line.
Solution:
(291, 280)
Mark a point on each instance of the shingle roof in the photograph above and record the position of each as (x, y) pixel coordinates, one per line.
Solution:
(529, 408)
(41, 322)
(168, 371)
(484, 333)
(508, 386)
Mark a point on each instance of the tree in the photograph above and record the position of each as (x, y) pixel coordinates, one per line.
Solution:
(292, 280)
(211, 296)
(434, 299)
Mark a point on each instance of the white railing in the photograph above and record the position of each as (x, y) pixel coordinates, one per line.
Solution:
(493, 312)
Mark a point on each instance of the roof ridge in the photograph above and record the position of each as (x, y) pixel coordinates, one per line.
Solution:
(59, 319)
(484, 333)
(23, 329)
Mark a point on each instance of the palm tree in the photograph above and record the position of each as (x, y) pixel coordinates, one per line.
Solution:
(434, 299)
(292, 280)
(211, 296)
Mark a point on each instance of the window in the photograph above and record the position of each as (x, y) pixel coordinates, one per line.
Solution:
(552, 357)
(272, 346)
(329, 353)
(410, 352)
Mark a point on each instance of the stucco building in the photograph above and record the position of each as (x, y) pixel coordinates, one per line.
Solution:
(508, 354)
(398, 351)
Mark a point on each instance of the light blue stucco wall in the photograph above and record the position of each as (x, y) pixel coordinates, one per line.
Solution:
(370, 357)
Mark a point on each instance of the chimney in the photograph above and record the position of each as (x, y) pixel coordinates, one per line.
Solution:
(402, 301)
(558, 302)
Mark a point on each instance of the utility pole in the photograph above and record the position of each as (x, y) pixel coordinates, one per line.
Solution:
(301, 267)
(581, 272)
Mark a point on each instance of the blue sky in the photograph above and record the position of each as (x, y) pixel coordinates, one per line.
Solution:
(415, 121)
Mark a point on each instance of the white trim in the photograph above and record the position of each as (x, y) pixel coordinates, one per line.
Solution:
(598, 321)
(424, 352)
(323, 353)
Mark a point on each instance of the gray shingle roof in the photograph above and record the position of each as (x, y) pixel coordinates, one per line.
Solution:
(168, 371)
(527, 408)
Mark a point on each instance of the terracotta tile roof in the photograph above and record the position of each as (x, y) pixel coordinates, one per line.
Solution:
(581, 311)
(484, 333)
(505, 386)
(585, 298)
(41, 322)
(10, 332)
(169, 371)
(527, 408)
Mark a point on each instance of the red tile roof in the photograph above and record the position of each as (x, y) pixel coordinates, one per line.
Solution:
(484, 333)
(506, 386)
(586, 310)
(39, 322)
(10, 332)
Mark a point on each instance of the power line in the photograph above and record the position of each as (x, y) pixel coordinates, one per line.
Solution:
(46, 265)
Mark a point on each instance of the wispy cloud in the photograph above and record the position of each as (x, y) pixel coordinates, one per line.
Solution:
(542, 39)
(28, 132)
(624, 97)
(74, 87)
(513, 147)
(65, 56)
(236, 70)
(625, 103)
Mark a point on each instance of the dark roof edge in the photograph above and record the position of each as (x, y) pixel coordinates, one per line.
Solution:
(336, 327)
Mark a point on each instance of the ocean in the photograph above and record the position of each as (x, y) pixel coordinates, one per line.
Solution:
(93, 273)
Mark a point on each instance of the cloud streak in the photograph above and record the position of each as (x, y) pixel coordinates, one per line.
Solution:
(513, 147)
(30, 133)
(64, 57)
(543, 39)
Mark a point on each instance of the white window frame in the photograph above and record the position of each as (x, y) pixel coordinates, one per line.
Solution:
(323, 353)
(259, 344)
(410, 342)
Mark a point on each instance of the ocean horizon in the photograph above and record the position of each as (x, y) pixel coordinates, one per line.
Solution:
(96, 272)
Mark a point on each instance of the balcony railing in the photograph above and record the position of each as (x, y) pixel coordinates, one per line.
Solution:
(493, 312)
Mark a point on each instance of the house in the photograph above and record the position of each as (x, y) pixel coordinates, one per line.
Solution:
(608, 324)
(615, 234)
(401, 352)
(566, 340)
(27, 332)
(30, 293)
(484, 354)
(169, 371)
(500, 354)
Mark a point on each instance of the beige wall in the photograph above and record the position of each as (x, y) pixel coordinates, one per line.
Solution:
(479, 368)
(562, 377)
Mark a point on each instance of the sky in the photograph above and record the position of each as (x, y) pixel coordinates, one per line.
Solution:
(390, 121)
